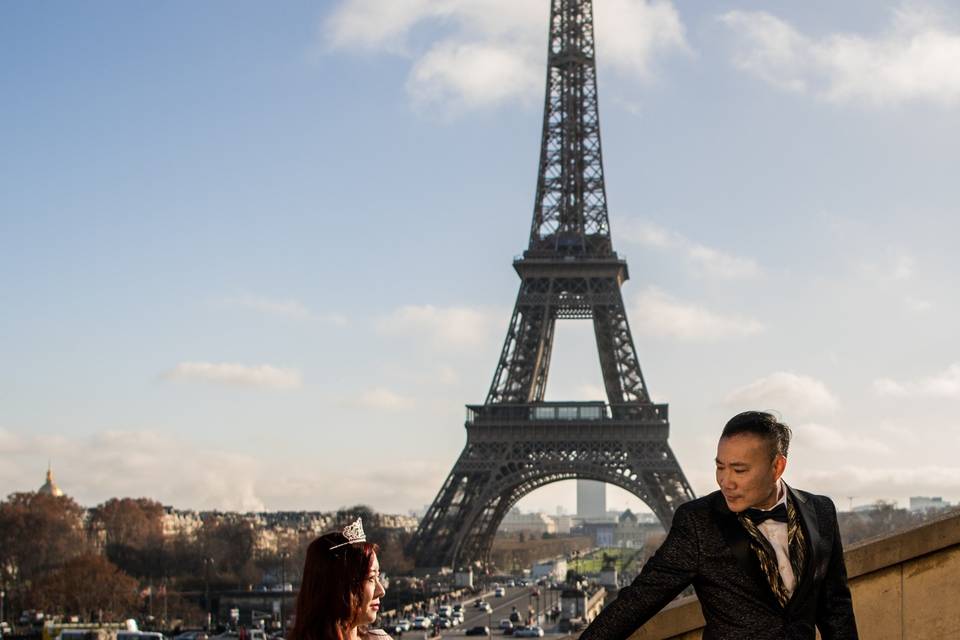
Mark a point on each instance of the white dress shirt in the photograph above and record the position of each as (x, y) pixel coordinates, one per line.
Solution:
(776, 533)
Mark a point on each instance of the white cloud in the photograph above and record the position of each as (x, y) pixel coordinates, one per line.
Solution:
(135, 463)
(374, 24)
(708, 260)
(656, 313)
(263, 375)
(823, 438)
(10, 442)
(917, 305)
(591, 392)
(382, 398)
(462, 75)
(889, 266)
(632, 33)
(860, 481)
(389, 488)
(913, 60)
(788, 393)
(443, 327)
(286, 308)
(943, 385)
(190, 474)
(481, 53)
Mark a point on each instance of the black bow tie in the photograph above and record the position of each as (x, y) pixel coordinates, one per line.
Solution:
(778, 513)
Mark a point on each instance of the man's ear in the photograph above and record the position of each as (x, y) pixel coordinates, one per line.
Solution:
(779, 465)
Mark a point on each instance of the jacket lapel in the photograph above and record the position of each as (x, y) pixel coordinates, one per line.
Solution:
(811, 527)
(738, 541)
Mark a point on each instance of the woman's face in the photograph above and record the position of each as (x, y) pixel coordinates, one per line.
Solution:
(372, 592)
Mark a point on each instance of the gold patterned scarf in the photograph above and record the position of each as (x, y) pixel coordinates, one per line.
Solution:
(797, 545)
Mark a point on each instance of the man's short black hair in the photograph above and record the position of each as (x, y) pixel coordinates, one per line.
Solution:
(766, 425)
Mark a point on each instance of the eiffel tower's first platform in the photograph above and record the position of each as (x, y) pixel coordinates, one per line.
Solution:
(517, 442)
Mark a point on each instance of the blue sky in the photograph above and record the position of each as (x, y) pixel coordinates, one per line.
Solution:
(260, 257)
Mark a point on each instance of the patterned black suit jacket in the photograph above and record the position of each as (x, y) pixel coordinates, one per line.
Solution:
(708, 547)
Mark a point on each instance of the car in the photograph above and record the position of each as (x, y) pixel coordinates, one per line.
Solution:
(404, 624)
(480, 604)
(486, 607)
(478, 631)
(528, 632)
(250, 634)
(443, 623)
(458, 607)
(506, 626)
(499, 592)
(421, 622)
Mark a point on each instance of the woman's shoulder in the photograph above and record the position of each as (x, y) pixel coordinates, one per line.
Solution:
(376, 634)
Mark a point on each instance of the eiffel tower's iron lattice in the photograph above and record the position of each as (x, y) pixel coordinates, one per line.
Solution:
(517, 442)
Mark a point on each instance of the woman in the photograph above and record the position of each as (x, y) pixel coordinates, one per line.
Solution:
(340, 592)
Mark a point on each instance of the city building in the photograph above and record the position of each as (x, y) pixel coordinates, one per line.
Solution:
(564, 523)
(591, 500)
(176, 523)
(873, 506)
(633, 529)
(407, 523)
(536, 523)
(924, 503)
(555, 569)
(603, 533)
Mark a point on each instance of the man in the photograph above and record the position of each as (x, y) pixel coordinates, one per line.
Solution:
(765, 559)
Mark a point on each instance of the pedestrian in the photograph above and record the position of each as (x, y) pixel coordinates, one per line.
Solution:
(341, 590)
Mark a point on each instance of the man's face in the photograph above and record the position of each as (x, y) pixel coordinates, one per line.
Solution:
(746, 474)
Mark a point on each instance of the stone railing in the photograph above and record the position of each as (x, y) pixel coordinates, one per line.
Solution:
(905, 586)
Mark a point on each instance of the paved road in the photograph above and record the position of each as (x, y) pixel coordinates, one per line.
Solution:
(519, 597)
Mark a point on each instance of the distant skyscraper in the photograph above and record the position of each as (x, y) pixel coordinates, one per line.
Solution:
(591, 499)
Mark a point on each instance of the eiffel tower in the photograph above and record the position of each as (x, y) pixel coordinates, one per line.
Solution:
(517, 442)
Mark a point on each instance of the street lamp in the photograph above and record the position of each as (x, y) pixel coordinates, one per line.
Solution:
(207, 561)
(283, 589)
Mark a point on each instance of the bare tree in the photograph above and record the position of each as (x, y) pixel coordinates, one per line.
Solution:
(89, 586)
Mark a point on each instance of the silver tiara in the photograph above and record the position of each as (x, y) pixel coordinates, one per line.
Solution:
(353, 533)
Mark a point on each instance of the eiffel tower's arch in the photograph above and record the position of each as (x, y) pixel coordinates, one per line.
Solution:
(516, 479)
(507, 457)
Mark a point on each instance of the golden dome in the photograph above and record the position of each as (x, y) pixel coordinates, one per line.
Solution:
(50, 487)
